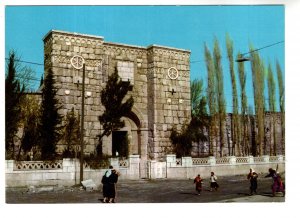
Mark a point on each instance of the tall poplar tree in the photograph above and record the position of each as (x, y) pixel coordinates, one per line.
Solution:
(221, 104)
(257, 68)
(235, 130)
(281, 105)
(196, 94)
(211, 99)
(244, 107)
(272, 109)
(50, 119)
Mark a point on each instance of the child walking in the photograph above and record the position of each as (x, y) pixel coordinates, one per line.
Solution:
(213, 182)
(198, 183)
(252, 177)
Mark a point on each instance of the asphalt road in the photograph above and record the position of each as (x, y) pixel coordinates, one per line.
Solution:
(232, 189)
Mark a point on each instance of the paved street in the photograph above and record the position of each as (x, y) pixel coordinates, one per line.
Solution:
(232, 189)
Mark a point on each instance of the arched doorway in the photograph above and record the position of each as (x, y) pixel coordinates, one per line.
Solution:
(126, 141)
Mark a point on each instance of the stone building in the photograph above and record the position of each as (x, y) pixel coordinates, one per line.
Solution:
(160, 80)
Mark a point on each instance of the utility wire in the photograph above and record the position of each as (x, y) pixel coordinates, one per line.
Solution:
(267, 46)
(262, 48)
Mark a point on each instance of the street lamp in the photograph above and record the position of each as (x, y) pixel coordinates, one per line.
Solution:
(78, 63)
(243, 59)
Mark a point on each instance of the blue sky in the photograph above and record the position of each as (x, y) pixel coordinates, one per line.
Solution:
(186, 27)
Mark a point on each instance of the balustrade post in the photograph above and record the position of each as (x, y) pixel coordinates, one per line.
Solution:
(212, 160)
(251, 159)
(134, 166)
(187, 161)
(232, 160)
(9, 166)
(280, 158)
(266, 158)
(152, 169)
(171, 160)
(114, 161)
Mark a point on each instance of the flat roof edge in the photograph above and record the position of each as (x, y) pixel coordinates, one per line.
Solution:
(72, 33)
(167, 47)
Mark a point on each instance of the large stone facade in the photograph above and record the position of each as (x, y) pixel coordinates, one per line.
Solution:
(160, 79)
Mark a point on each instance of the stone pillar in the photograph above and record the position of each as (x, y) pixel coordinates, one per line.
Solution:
(266, 158)
(114, 161)
(232, 160)
(171, 160)
(152, 167)
(70, 165)
(134, 166)
(280, 158)
(250, 159)
(187, 161)
(9, 166)
(212, 160)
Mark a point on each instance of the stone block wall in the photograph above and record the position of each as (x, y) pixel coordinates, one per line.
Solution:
(169, 95)
(160, 102)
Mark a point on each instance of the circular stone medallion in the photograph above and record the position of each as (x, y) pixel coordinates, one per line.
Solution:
(173, 73)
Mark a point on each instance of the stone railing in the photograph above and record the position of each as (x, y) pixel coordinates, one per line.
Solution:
(231, 160)
(178, 161)
(200, 161)
(188, 167)
(123, 163)
(65, 172)
(38, 165)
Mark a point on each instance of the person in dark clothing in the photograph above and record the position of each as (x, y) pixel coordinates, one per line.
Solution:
(105, 182)
(112, 189)
(252, 177)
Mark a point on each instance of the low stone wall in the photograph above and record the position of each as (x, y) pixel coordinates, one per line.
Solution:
(64, 173)
(67, 171)
(188, 168)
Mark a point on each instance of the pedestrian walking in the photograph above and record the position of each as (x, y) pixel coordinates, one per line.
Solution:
(252, 177)
(105, 184)
(213, 182)
(112, 186)
(198, 182)
(278, 185)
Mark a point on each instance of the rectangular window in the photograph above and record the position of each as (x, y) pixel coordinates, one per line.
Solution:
(126, 71)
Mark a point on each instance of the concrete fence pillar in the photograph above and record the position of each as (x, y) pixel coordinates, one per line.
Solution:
(280, 158)
(152, 169)
(187, 161)
(232, 160)
(114, 161)
(251, 159)
(134, 166)
(171, 160)
(266, 158)
(212, 160)
(9, 166)
(71, 165)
